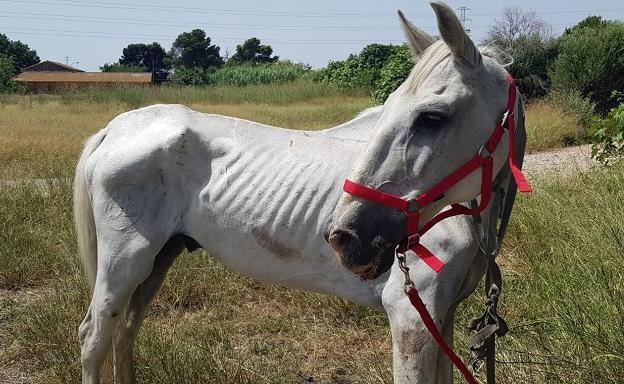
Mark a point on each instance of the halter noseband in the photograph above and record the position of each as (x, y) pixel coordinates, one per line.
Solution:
(412, 207)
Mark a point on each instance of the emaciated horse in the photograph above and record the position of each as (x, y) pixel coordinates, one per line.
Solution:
(263, 200)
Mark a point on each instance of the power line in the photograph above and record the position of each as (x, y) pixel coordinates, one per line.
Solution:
(155, 22)
(142, 7)
(164, 23)
(119, 35)
(219, 11)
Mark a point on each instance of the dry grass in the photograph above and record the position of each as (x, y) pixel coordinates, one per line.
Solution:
(549, 127)
(42, 135)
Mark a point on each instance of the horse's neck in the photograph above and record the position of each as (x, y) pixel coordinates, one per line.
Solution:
(286, 186)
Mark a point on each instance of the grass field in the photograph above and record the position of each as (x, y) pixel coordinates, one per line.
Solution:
(564, 292)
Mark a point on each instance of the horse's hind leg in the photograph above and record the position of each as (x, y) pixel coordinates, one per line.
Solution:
(128, 327)
(121, 268)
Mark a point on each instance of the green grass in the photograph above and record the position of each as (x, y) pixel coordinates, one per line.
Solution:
(564, 283)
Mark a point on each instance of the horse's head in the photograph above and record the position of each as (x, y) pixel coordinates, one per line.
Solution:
(436, 121)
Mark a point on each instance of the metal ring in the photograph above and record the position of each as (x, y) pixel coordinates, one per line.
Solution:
(484, 149)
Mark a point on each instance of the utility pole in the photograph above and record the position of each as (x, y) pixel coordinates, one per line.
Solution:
(66, 60)
(462, 17)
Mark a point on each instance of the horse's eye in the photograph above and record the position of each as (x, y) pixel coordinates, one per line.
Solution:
(428, 120)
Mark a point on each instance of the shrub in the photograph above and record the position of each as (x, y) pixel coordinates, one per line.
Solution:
(246, 74)
(591, 61)
(189, 76)
(348, 73)
(582, 109)
(609, 135)
(393, 74)
(7, 85)
(359, 71)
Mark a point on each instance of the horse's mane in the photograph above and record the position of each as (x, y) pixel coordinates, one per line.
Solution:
(430, 58)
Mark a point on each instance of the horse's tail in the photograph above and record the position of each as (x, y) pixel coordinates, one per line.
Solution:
(83, 212)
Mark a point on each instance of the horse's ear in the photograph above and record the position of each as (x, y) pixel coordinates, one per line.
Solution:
(453, 34)
(417, 40)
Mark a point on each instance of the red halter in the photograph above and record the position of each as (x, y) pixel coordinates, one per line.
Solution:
(412, 207)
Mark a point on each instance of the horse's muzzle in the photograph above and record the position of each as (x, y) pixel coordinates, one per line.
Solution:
(366, 262)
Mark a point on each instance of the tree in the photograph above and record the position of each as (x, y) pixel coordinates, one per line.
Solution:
(151, 57)
(591, 61)
(375, 56)
(20, 53)
(515, 24)
(588, 22)
(116, 67)
(528, 40)
(252, 51)
(193, 49)
(6, 72)
(532, 58)
(362, 70)
(394, 72)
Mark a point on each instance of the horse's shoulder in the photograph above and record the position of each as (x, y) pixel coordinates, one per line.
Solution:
(454, 236)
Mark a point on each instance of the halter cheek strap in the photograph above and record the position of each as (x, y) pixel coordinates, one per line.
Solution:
(412, 207)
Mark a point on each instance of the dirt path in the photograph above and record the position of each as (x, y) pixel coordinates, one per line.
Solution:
(559, 160)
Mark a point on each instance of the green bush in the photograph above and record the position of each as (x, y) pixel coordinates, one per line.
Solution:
(265, 73)
(393, 74)
(360, 71)
(591, 61)
(189, 76)
(7, 85)
(349, 73)
(609, 135)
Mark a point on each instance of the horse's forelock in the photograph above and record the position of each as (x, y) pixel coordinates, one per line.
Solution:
(429, 59)
(437, 53)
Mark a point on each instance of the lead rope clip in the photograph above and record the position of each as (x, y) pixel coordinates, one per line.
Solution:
(405, 269)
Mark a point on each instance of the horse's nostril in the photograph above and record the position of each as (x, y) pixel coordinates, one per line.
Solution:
(340, 239)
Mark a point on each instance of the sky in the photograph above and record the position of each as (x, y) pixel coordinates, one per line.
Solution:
(89, 33)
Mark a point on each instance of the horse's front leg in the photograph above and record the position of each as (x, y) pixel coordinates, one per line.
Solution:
(416, 357)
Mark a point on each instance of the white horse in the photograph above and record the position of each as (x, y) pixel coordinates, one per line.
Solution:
(263, 199)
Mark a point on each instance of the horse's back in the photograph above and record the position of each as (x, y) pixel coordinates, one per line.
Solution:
(138, 175)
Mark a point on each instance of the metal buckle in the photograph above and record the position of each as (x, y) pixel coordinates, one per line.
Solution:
(413, 206)
(413, 239)
(509, 114)
(483, 150)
